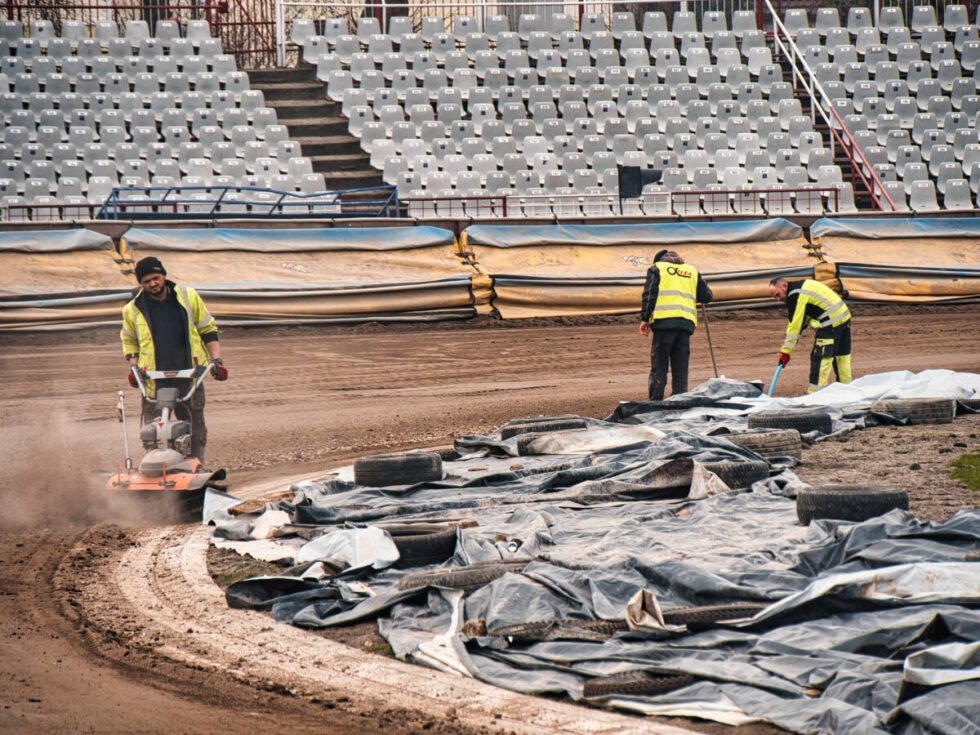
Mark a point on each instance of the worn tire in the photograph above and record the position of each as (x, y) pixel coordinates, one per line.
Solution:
(848, 502)
(523, 441)
(634, 682)
(540, 419)
(679, 404)
(570, 628)
(467, 578)
(803, 421)
(540, 427)
(971, 403)
(917, 410)
(772, 443)
(423, 544)
(739, 474)
(703, 614)
(381, 470)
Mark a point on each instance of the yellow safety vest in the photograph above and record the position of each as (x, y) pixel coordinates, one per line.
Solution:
(137, 337)
(833, 311)
(677, 295)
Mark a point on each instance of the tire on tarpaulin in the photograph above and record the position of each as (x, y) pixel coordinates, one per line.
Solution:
(917, 410)
(421, 545)
(635, 682)
(469, 578)
(802, 421)
(770, 443)
(739, 474)
(408, 468)
(704, 614)
(973, 404)
(848, 502)
(541, 427)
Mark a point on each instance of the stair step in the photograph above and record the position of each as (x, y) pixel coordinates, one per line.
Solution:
(339, 161)
(259, 77)
(350, 179)
(331, 145)
(318, 127)
(299, 91)
(315, 123)
(306, 109)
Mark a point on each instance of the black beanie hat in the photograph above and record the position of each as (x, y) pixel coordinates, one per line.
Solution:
(147, 266)
(657, 257)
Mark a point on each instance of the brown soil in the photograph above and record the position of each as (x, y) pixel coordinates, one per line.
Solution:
(914, 458)
(303, 400)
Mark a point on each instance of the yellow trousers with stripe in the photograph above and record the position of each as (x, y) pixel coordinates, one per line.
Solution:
(831, 349)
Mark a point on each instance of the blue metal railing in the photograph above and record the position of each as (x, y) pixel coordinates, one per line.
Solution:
(235, 202)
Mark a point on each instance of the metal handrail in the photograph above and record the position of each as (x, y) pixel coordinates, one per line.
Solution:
(810, 83)
(116, 205)
(493, 202)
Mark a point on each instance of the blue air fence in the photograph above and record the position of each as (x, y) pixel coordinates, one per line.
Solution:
(235, 202)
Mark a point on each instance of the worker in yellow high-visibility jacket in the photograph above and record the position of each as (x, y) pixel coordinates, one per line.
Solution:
(812, 303)
(166, 326)
(669, 310)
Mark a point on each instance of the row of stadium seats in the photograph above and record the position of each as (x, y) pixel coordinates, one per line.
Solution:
(82, 115)
(105, 31)
(562, 98)
(712, 22)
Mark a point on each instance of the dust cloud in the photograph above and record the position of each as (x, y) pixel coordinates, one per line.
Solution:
(48, 476)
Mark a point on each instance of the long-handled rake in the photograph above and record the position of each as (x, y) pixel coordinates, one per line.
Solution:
(707, 331)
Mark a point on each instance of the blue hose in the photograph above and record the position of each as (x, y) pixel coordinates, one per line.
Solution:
(775, 377)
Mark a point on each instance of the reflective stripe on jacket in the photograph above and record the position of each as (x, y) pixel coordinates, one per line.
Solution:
(677, 295)
(137, 337)
(814, 303)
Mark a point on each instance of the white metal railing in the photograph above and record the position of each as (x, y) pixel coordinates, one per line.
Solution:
(775, 202)
(804, 77)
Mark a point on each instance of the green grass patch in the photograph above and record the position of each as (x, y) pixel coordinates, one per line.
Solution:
(382, 648)
(966, 469)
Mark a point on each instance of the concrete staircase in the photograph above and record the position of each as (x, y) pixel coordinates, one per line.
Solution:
(316, 124)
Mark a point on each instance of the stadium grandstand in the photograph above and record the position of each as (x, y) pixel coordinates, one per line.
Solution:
(487, 110)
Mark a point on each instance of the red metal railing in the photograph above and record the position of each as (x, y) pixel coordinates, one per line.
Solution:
(247, 29)
(820, 102)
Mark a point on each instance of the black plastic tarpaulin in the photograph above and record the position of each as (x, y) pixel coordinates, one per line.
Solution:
(867, 627)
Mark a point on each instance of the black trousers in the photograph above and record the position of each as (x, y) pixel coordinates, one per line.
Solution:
(668, 347)
(199, 430)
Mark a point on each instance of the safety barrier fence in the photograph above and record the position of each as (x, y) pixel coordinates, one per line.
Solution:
(292, 275)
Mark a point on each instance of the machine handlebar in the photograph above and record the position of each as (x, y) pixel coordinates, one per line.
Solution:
(196, 374)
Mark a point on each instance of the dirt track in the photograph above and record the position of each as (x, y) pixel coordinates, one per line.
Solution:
(299, 401)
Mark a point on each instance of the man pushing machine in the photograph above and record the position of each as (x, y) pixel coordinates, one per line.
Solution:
(167, 327)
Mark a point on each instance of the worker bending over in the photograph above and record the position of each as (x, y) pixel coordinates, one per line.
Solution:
(811, 302)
